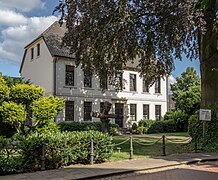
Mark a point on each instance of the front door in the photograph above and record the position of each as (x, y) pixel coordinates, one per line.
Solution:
(119, 114)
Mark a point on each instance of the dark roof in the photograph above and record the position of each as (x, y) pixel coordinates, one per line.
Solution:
(53, 39)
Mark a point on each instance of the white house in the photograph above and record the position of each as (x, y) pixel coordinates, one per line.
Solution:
(47, 64)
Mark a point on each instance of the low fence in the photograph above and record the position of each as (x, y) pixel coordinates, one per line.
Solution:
(131, 139)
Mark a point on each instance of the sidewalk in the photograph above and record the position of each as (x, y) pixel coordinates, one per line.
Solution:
(112, 168)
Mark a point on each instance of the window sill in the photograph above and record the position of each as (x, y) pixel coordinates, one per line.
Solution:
(71, 87)
(158, 94)
(145, 93)
(88, 88)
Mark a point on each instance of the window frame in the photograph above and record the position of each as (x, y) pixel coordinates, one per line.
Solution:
(145, 87)
(133, 114)
(38, 49)
(157, 112)
(87, 115)
(146, 111)
(158, 86)
(132, 87)
(32, 53)
(67, 114)
(87, 78)
(72, 74)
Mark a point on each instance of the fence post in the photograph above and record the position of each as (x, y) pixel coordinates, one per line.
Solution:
(164, 146)
(92, 153)
(131, 148)
(43, 158)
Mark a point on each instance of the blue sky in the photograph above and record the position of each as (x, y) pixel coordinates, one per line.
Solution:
(22, 21)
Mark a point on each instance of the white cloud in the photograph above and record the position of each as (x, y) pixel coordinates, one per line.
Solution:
(171, 79)
(11, 18)
(22, 5)
(17, 37)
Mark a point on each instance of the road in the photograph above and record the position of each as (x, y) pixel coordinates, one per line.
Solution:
(203, 171)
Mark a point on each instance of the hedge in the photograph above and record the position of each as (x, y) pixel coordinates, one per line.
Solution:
(60, 149)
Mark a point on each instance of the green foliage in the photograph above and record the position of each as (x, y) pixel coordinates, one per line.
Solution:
(180, 118)
(144, 125)
(80, 126)
(187, 91)
(13, 114)
(26, 94)
(4, 90)
(60, 149)
(11, 81)
(44, 111)
(195, 127)
(211, 134)
(162, 127)
(113, 129)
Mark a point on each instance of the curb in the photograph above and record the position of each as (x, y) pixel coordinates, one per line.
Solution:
(154, 168)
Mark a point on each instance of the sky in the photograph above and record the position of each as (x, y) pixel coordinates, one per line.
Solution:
(21, 21)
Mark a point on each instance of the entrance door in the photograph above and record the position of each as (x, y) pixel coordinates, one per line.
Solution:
(119, 107)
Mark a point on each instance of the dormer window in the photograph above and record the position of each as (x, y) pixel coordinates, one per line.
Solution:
(157, 86)
(38, 49)
(32, 53)
(87, 80)
(69, 75)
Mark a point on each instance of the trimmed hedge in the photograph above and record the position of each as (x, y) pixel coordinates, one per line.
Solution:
(60, 149)
(80, 126)
(162, 126)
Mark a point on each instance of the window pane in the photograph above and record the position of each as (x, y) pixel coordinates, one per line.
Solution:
(38, 49)
(87, 111)
(69, 81)
(133, 112)
(157, 86)
(158, 112)
(145, 111)
(145, 86)
(32, 53)
(132, 78)
(87, 80)
(103, 83)
(118, 81)
(69, 111)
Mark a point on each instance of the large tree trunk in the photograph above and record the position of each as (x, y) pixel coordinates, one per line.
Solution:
(209, 59)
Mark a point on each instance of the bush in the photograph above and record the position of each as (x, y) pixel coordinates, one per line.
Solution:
(80, 126)
(60, 149)
(113, 129)
(162, 127)
(144, 125)
(180, 118)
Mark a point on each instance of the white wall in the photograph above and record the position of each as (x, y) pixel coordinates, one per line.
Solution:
(79, 94)
(40, 69)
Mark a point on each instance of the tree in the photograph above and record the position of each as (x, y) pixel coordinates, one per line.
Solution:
(187, 91)
(105, 35)
(19, 102)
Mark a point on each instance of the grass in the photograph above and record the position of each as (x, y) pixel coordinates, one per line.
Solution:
(152, 150)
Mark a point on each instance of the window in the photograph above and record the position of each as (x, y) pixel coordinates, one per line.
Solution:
(157, 112)
(103, 83)
(101, 107)
(145, 111)
(145, 86)
(133, 112)
(87, 111)
(32, 53)
(87, 80)
(157, 86)
(118, 81)
(38, 49)
(69, 111)
(69, 77)
(132, 79)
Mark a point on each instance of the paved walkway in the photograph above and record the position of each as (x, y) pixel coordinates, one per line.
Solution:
(112, 168)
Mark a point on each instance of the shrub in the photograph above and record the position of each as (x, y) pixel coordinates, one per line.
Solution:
(144, 125)
(80, 126)
(113, 129)
(142, 130)
(162, 127)
(180, 118)
(60, 149)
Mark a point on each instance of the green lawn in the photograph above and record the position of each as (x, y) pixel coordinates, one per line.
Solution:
(153, 150)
